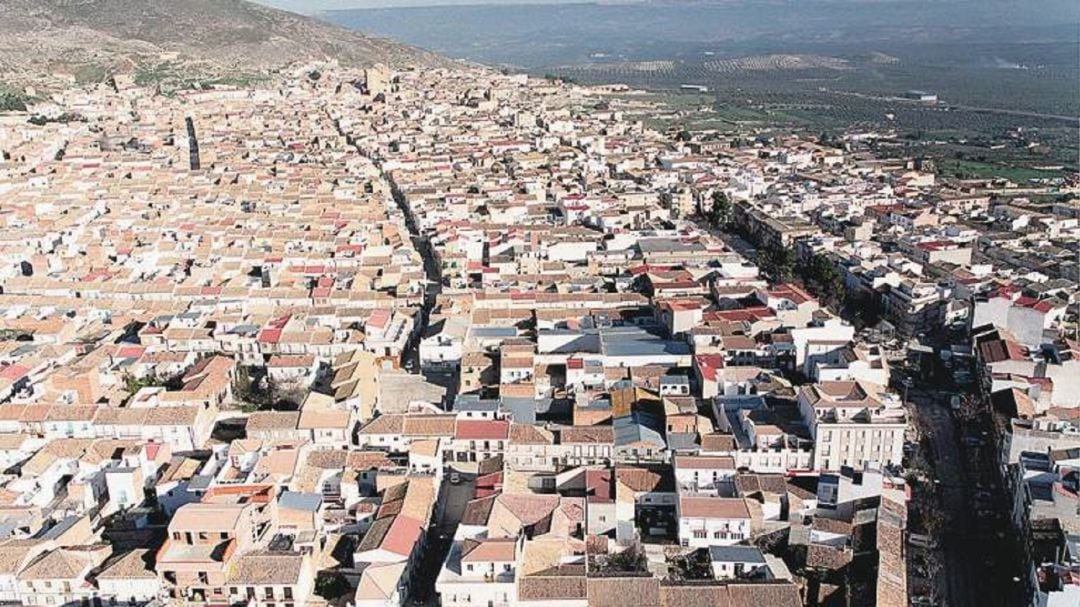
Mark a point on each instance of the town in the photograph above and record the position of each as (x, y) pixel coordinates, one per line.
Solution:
(377, 337)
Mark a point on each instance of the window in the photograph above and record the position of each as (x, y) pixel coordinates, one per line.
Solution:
(288, 593)
(269, 592)
(203, 578)
(700, 534)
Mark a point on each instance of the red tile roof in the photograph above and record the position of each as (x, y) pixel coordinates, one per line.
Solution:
(404, 533)
(483, 429)
(713, 507)
(709, 364)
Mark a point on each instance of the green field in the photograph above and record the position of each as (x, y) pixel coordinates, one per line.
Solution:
(972, 169)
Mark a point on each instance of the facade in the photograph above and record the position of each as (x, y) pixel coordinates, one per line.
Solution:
(712, 521)
(852, 426)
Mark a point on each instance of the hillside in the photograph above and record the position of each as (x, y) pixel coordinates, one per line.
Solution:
(157, 39)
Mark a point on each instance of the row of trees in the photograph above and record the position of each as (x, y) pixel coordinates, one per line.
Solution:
(818, 274)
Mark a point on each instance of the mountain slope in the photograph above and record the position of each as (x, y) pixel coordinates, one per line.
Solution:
(93, 38)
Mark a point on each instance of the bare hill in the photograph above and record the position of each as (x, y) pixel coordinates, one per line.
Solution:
(91, 39)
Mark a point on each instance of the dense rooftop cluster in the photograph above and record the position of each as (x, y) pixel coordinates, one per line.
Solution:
(365, 336)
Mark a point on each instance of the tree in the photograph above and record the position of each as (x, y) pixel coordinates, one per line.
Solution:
(720, 211)
(247, 390)
(777, 262)
(134, 384)
(331, 585)
(631, 560)
(693, 566)
(10, 102)
(823, 279)
(864, 307)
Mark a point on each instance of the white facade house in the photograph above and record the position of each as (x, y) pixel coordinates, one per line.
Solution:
(712, 521)
(851, 425)
(729, 562)
(851, 364)
(440, 351)
(129, 581)
(479, 572)
(705, 475)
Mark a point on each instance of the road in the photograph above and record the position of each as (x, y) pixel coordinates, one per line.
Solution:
(454, 499)
(977, 557)
(431, 272)
(961, 569)
(410, 357)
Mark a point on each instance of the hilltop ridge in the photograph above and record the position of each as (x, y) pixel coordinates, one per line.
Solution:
(92, 39)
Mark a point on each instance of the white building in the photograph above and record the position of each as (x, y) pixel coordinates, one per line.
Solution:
(712, 521)
(479, 572)
(852, 425)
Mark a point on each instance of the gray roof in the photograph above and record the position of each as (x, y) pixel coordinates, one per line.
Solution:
(635, 341)
(490, 332)
(244, 330)
(587, 341)
(683, 441)
(635, 428)
(59, 528)
(523, 409)
(294, 500)
(473, 402)
(736, 554)
(730, 406)
(668, 245)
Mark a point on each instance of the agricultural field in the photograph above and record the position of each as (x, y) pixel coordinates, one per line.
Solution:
(172, 76)
(971, 169)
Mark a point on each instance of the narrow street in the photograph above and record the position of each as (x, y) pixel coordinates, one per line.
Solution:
(976, 567)
(431, 270)
(410, 358)
(959, 544)
(440, 537)
(432, 289)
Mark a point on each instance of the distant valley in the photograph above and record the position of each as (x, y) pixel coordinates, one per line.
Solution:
(817, 65)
